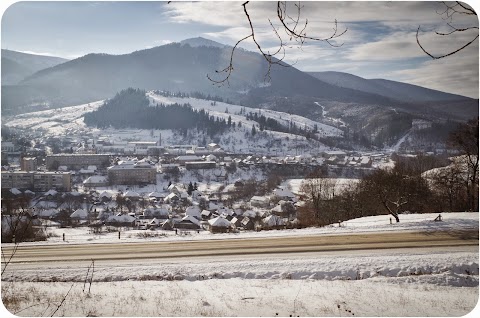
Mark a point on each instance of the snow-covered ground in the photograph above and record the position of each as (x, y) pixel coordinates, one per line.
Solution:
(219, 109)
(340, 184)
(68, 121)
(379, 223)
(439, 281)
(244, 298)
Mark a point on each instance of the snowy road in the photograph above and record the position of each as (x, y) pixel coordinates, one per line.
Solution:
(214, 248)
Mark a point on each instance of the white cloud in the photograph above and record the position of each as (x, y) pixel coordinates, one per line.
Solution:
(40, 53)
(403, 45)
(457, 74)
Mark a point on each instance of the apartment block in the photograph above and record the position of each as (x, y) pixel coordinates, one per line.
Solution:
(77, 161)
(37, 181)
(29, 164)
(131, 172)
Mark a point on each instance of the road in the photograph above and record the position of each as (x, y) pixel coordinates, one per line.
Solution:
(48, 254)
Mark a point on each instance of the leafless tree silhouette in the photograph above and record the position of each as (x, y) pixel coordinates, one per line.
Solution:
(451, 10)
(295, 29)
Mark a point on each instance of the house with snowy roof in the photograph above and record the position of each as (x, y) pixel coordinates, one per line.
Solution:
(132, 195)
(45, 213)
(167, 225)
(105, 196)
(159, 196)
(282, 193)
(120, 220)
(273, 222)
(160, 213)
(260, 201)
(194, 210)
(206, 214)
(95, 181)
(79, 216)
(248, 223)
(219, 225)
(50, 193)
(171, 198)
(284, 209)
(188, 223)
(236, 222)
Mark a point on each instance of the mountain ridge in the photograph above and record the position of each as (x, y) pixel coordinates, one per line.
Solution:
(182, 67)
(18, 65)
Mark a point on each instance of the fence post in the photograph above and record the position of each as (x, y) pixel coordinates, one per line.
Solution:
(63, 236)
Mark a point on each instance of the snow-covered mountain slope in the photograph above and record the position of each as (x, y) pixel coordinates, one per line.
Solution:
(69, 121)
(224, 110)
(54, 122)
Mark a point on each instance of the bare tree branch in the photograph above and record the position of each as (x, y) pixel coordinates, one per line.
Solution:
(444, 55)
(291, 27)
(450, 10)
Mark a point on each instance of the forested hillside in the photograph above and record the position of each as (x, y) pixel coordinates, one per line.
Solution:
(130, 109)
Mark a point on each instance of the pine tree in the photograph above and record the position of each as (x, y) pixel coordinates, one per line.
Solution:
(190, 188)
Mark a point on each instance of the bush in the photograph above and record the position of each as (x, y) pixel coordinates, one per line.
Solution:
(22, 229)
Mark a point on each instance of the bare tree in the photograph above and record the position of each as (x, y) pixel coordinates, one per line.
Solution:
(289, 23)
(448, 184)
(318, 192)
(465, 139)
(451, 10)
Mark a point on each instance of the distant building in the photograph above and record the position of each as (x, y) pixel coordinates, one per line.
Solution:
(29, 164)
(213, 146)
(8, 147)
(418, 124)
(77, 161)
(95, 181)
(37, 181)
(131, 172)
(182, 160)
(200, 165)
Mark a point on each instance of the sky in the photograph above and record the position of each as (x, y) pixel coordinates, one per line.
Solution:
(379, 41)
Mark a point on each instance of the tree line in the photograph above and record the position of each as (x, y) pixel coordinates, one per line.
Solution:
(273, 124)
(421, 184)
(131, 108)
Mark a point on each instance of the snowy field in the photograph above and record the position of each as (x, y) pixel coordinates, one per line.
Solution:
(379, 223)
(247, 298)
(439, 281)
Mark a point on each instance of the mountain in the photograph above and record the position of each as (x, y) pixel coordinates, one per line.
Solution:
(414, 98)
(17, 65)
(390, 89)
(184, 67)
(199, 41)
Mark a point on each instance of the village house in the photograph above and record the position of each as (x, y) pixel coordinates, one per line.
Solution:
(283, 194)
(182, 160)
(273, 222)
(219, 225)
(194, 211)
(188, 223)
(260, 201)
(95, 181)
(196, 165)
(248, 223)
